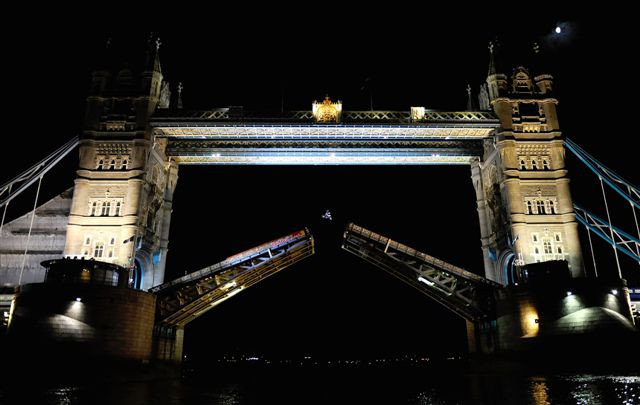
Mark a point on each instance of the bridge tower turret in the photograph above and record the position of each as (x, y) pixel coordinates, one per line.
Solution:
(522, 189)
(124, 188)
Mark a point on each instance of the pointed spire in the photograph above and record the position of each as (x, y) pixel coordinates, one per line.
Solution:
(105, 59)
(180, 87)
(469, 101)
(153, 54)
(492, 62)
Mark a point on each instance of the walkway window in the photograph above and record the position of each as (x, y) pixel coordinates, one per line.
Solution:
(100, 164)
(99, 249)
(534, 164)
(545, 164)
(112, 165)
(523, 164)
(125, 164)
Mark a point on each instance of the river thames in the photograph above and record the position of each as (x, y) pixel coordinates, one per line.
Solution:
(342, 383)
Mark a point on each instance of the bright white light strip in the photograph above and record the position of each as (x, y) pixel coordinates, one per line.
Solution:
(427, 282)
(229, 285)
(234, 292)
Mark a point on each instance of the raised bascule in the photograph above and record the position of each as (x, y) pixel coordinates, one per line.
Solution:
(137, 135)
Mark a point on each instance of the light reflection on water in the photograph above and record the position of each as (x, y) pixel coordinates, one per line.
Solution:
(412, 387)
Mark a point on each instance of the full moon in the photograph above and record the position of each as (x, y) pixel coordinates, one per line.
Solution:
(558, 30)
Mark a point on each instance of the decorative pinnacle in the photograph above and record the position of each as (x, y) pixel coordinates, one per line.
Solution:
(108, 43)
(468, 89)
(536, 48)
(492, 63)
(180, 87)
(158, 43)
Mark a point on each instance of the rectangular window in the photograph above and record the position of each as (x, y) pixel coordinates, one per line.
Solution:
(534, 237)
(540, 206)
(106, 207)
(547, 247)
(99, 249)
(558, 237)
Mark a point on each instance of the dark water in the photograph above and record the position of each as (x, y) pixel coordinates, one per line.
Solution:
(339, 386)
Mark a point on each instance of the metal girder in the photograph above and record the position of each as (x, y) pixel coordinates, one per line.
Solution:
(182, 300)
(466, 294)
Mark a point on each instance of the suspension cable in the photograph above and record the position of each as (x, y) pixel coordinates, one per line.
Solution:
(4, 213)
(33, 214)
(593, 256)
(635, 219)
(606, 205)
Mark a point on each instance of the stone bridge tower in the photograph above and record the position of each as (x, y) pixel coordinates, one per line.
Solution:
(121, 206)
(522, 188)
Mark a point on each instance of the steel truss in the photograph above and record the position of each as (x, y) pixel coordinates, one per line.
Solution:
(182, 300)
(235, 114)
(466, 294)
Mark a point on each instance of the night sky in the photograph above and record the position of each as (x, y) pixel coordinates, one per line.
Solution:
(331, 304)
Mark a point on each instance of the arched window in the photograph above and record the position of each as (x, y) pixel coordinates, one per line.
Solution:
(99, 249)
(534, 164)
(110, 253)
(106, 207)
(118, 209)
(559, 250)
(540, 206)
(113, 241)
(523, 164)
(552, 207)
(87, 240)
(125, 164)
(547, 247)
(545, 164)
(112, 164)
(94, 209)
(100, 164)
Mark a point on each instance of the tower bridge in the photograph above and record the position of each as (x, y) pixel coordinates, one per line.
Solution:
(135, 138)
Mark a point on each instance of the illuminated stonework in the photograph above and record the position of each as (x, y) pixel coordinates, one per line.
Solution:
(327, 111)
